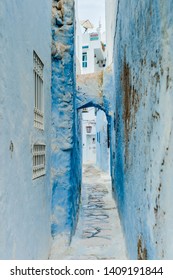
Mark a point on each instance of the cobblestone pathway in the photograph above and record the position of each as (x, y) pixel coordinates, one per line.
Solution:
(98, 234)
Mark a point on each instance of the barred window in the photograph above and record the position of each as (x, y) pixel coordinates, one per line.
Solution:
(38, 92)
(39, 154)
(84, 60)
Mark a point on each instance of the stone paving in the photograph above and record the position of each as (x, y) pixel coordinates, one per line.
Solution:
(98, 234)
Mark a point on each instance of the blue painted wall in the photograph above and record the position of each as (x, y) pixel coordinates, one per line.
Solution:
(25, 204)
(141, 126)
(136, 96)
(66, 155)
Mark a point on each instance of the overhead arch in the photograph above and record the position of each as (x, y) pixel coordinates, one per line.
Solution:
(90, 90)
(91, 104)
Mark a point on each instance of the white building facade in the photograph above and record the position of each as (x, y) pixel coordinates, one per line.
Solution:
(91, 53)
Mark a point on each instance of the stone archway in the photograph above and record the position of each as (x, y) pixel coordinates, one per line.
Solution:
(93, 90)
(90, 90)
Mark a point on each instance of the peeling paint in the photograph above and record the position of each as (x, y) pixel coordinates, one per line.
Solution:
(142, 251)
(142, 148)
(66, 165)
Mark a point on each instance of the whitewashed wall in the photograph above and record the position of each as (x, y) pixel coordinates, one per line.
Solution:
(110, 15)
(89, 139)
(103, 159)
(78, 41)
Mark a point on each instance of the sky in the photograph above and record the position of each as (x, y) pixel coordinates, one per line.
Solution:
(94, 10)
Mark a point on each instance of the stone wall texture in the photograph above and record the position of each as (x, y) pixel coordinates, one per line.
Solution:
(66, 156)
(90, 90)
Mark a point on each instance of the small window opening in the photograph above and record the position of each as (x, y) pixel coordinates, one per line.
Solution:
(38, 92)
(84, 60)
(39, 154)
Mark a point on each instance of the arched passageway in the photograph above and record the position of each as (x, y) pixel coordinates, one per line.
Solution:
(98, 224)
(98, 234)
(98, 221)
(95, 137)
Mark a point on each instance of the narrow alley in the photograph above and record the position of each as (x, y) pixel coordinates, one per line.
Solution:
(86, 89)
(98, 234)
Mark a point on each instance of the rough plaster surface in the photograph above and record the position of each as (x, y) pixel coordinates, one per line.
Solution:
(90, 90)
(95, 90)
(142, 161)
(25, 204)
(65, 164)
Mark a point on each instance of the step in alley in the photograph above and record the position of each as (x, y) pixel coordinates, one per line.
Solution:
(98, 234)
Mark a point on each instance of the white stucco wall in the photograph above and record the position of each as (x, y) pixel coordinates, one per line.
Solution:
(88, 142)
(110, 15)
(103, 158)
(92, 47)
(25, 203)
(78, 41)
